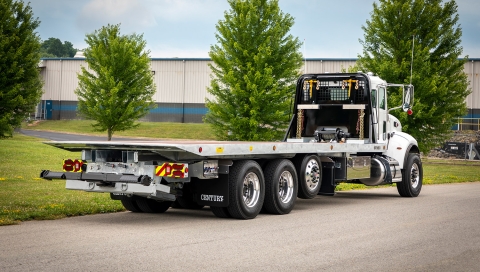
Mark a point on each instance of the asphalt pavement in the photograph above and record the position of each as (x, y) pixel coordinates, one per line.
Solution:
(369, 230)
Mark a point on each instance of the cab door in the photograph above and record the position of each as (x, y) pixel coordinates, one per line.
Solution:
(379, 113)
(382, 113)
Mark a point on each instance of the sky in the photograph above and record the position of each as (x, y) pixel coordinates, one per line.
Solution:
(186, 28)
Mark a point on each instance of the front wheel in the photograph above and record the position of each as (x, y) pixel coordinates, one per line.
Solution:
(412, 176)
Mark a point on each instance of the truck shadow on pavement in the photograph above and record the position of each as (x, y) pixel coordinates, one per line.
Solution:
(345, 198)
(170, 216)
(181, 216)
(364, 195)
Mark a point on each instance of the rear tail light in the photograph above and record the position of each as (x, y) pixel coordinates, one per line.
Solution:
(70, 165)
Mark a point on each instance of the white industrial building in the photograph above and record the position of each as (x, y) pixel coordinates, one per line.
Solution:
(182, 87)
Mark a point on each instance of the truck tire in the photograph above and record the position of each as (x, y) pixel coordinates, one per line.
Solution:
(309, 169)
(412, 176)
(152, 206)
(281, 186)
(247, 189)
(130, 204)
(220, 212)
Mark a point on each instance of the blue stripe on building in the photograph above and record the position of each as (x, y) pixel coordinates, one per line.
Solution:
(164, 110)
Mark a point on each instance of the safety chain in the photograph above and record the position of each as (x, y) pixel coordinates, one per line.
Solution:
(361, 120)
(299, 123)
(311, 87)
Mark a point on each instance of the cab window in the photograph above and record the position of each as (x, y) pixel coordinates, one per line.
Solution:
(374, 98)
(381, 98)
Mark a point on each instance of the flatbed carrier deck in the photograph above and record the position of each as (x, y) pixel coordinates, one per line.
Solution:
(223, 149)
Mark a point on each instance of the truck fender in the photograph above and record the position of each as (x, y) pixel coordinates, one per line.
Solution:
(399, 146)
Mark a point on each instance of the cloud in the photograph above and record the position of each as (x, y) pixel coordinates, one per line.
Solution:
(466, 7)
(470, 25)
(186, 28)
(163, 50)
(134, 16)
(192, 10)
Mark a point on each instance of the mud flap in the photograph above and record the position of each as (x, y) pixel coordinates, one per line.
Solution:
(328, 179)
(212, 192)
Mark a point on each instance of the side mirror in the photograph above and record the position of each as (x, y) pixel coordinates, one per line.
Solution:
(407, 98)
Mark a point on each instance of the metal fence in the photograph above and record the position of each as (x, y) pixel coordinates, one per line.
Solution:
(468, 124)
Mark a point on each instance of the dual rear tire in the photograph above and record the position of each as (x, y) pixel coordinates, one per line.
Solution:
(274, 189)
(281, 187)
(247, 190)
(143, 204)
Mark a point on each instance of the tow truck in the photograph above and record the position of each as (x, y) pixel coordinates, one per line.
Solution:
(341, 130)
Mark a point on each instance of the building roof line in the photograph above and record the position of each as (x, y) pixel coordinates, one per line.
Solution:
(209, 59)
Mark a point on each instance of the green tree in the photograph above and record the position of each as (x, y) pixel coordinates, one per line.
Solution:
(117, 88)
(441, 85)
(256, 64)
(69, 50)
(20, 83)
(54, 48)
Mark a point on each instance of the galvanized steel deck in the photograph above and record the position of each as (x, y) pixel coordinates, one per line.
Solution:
(191, 150)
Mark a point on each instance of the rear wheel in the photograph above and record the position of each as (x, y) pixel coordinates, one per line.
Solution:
(281, 187)
(309, 171)
(152, 206)
(130, 204)
(412, 176)
(247, 189)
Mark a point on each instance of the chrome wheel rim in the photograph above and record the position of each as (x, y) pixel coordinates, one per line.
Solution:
(251, 189)
(414, 176)
(285, 187)
(312, 175)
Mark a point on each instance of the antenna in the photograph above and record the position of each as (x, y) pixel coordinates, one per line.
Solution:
(411, 64)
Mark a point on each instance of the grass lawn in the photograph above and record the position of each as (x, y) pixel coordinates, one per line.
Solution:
(24, 196)
(158, 130)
